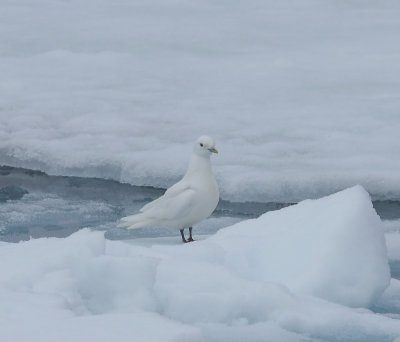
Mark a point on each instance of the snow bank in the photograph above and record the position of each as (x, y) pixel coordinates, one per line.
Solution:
(306, 93)
(73, 290)
(257, 279)
(333, 248)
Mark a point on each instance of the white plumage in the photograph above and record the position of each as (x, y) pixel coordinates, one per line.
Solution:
(187, 202)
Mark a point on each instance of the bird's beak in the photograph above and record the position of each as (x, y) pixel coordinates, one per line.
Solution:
(213, 150)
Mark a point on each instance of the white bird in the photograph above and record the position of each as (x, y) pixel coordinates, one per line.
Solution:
(187, 202)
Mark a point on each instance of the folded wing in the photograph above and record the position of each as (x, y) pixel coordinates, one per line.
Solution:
(174, 204)
(173, 191)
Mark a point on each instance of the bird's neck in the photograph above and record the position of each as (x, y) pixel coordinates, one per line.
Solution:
(198, 165)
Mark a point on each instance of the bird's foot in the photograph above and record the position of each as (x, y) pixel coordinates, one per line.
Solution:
(183, 236)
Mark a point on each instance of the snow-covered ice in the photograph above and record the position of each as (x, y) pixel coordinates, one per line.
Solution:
(305, 92)
(316, 247)
(244, 283)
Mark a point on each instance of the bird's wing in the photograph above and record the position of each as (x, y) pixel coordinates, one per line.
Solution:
(172, 207)
(173, 191)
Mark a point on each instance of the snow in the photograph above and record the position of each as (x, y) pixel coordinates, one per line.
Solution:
(315, 247)
(302, 97)
(232, 286)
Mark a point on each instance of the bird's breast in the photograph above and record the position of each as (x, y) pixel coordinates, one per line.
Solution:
(208, 196)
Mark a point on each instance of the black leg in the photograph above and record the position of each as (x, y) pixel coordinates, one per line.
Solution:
(183, 236)
(190, 235)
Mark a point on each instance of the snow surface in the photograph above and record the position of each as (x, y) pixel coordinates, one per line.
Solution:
(302, 97)
(233, 286)
(339, 238)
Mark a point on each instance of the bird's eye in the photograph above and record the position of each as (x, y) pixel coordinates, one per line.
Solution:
(201, 144)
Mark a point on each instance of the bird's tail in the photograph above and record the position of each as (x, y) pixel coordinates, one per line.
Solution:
(135, 221)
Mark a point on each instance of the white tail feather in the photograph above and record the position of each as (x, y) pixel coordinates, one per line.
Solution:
(135, 221)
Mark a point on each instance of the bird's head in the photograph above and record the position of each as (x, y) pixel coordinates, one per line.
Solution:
(204, 146)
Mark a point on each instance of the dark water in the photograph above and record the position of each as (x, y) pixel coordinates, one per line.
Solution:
(34, 204)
